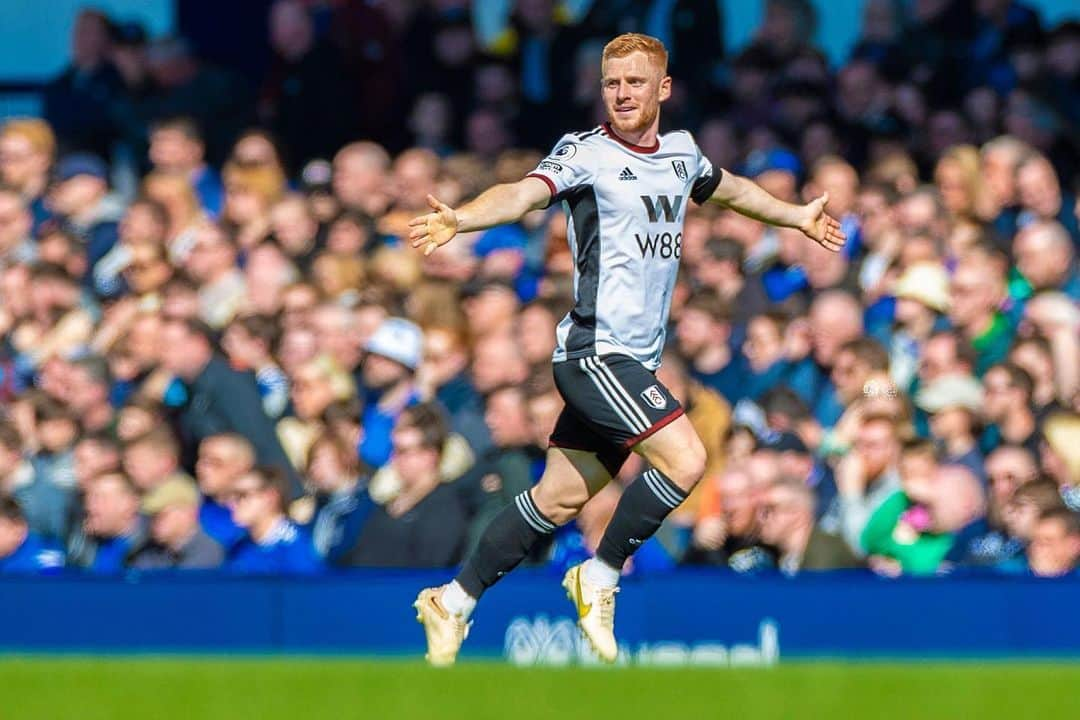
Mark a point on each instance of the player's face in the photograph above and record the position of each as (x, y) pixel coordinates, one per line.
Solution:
(633, 88)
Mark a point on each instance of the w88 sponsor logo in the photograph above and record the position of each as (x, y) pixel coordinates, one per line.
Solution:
(664, 245)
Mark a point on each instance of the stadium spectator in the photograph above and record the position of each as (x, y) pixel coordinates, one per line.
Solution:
(726, 534)
(275, 544)
(977, 290)
(913, 532)
(175, 539)
(953, 402)
(389, 376)
(703, 335)
(153, 459)
(443, 376)
(1030, 501)
(922, 296)
(223, 459)
(425, 524)
(80, 198)
(787, 523)
(249, 342)
(1055, 544)
(512, 465)
(77, 103)
(221, 399)
(27, 151)
(360, 178)
(177, 147)
(306, 98)
(112, 527)
(1007, 408)
(17, 245)
(46, 499)
(1008, 468)
(1045, 257)
(23, 552)
(342, 503)
(1041, 196)
(1060, 452)
(866, 476)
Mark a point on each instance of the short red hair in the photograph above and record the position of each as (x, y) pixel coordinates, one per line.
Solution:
(629, 43)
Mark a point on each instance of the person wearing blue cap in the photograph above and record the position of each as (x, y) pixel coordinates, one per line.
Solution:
(80, 197)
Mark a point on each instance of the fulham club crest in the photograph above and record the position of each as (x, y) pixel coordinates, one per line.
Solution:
(680, 169)
(654, 397)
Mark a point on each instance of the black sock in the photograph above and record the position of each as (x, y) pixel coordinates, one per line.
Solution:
(640, 512)
(505, 543)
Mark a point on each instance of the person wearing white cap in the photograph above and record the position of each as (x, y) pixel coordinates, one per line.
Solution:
(922, 297)
(389, 376)
(953, 403)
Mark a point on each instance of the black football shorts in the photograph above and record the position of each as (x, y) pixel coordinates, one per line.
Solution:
(613, 402)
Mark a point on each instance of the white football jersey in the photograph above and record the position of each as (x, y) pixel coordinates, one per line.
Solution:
(625, 206)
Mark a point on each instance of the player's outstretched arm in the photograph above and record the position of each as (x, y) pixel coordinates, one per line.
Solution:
(498, 205)
(746, 197)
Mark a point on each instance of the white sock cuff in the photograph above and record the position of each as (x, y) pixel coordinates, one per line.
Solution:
(457, 601)
(600, 573)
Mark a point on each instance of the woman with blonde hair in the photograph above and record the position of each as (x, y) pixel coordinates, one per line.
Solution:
(1060, 453)
(316, 385)
(250, 192)
(958, 178)
(337, 276)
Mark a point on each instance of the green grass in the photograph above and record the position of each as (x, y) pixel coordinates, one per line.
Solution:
(93, 688)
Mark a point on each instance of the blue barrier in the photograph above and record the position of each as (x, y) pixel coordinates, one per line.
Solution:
(686, 617)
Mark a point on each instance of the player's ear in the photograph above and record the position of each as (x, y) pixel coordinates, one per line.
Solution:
(665, 88)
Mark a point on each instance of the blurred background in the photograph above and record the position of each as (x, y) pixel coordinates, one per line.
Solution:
(221, 368)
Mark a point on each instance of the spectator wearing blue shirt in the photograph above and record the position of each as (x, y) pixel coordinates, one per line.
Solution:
(388, 372)
(177, 147)
(21, 551)
(112, 528)
(764, 352)
(223, 459)
(81, 198)
(703, 335)
(342, 503)
(275, 544)
(445, 373)
(47, 499)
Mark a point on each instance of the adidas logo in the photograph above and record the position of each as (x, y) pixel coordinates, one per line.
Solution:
(627, 175)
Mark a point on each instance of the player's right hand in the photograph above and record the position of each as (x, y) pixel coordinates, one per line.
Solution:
(435, 229)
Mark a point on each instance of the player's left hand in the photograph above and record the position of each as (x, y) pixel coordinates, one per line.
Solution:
(821, 227)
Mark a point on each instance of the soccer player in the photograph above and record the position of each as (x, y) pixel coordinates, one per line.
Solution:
(625, 189)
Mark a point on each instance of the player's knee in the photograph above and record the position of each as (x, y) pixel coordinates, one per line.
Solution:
(559, 506)
(689, 465)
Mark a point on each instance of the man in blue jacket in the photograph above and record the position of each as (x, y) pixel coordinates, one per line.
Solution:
(276, 545)
(21, 551)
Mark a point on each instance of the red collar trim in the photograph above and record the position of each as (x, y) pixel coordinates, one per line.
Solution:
(636, 148)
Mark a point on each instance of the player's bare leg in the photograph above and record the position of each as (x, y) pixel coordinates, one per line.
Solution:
(678, 462)
(570, 478)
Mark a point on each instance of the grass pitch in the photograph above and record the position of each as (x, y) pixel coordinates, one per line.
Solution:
(150, 688)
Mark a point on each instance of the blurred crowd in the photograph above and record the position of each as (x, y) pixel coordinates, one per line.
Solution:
(216, 351)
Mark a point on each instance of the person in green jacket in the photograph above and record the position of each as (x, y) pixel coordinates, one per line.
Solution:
(912, 536)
